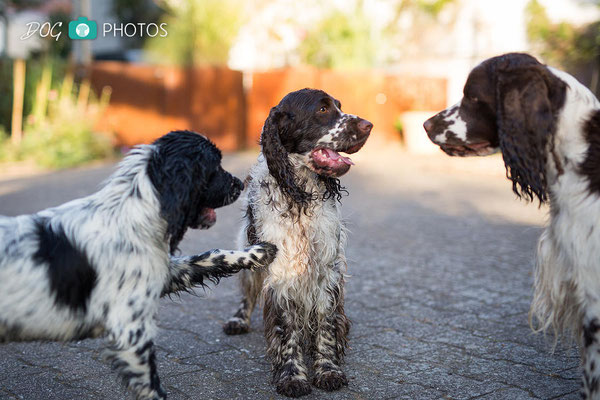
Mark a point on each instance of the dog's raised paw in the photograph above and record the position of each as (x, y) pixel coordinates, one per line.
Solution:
(266, 252)
(293, 387)
(330, 380)
(236, 326)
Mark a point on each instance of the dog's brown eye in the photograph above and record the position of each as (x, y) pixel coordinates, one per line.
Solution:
(323, 109)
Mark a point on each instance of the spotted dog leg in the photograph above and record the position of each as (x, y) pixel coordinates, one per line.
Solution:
(251, 285)
(187, 272)
(329, 344)
(132, 355)
(591, 358)
(284, 347)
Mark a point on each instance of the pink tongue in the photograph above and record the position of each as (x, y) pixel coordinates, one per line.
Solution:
(334, 155)
(209, 214)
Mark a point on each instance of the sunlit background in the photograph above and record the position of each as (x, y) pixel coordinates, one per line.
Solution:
(223, 63)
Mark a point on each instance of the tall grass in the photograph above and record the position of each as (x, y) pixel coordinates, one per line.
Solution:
(59, 132)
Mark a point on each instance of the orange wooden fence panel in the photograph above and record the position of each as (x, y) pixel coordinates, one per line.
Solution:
(148, 101)
(374, 95)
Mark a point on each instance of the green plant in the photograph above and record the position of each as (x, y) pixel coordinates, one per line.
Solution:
(199, 32)
(66, 144)
(351, 39)
(4, 145)
(573, 48)
(555, 42)
(562, 43)
(399, 127)
(432, 7)
(34, 71)
(342, 41)
(60, 133)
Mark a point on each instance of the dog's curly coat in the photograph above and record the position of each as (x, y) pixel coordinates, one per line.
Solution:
(292, 201)
(98, 265)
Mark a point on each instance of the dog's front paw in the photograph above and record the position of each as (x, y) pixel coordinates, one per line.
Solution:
(236, 326)
(151, 394)
(292, 386)
(330, 380)
(264, 252)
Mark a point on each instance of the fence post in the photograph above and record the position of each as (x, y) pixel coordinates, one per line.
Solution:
(18, 94)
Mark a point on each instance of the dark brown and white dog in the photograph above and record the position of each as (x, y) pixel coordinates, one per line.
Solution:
(547, 126)
(292, 200)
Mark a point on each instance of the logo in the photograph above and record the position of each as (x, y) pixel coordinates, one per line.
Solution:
(83, 28)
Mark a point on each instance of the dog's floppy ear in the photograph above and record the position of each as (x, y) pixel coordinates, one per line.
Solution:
(178, 180)
(526, 97)
(277, 124)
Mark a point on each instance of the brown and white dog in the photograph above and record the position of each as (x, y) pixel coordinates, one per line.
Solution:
(292, 200)
(547, 126)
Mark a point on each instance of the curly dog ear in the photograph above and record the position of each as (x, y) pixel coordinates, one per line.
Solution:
(177, 171)
(277, 126)
(526, 97)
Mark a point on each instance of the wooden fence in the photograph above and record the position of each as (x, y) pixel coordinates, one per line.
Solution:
(149, 101)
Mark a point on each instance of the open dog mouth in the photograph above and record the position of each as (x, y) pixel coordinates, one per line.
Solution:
(330, 158)
(468, 149)
(207, 218)
(330, 162)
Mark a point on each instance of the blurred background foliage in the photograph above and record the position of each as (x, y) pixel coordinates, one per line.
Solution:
(35, 67)
(59, 130)
(60, 112)
(341, 40)
(567, 46)
(200, 32)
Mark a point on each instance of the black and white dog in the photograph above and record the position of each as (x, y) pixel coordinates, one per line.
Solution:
(97, 266)
(547, 126)
(292, 200)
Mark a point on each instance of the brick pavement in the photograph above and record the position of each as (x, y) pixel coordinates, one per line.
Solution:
(440, 260)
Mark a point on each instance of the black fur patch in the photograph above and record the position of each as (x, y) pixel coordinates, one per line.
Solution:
(154, 379)
(591, 165)
(71, 276)
(186, 172)
(589, 332)
(530, 99)
(10, 333)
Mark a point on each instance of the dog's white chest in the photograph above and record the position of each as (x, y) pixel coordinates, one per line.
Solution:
(305, 244)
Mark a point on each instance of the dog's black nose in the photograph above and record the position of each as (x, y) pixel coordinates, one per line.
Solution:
(365, 126)
(427, 125)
